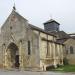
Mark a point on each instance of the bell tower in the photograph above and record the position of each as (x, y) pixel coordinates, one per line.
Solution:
(51, 25)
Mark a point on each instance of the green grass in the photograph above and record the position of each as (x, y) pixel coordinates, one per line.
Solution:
(66, 68)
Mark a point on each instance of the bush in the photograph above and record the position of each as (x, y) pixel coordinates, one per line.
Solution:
(50, 67)
(58, 65)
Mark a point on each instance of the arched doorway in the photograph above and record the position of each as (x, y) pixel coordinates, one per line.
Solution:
(13, 55)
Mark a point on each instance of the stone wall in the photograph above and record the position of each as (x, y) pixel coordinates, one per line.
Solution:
(67, 54)
(44, 50)
(18, 31)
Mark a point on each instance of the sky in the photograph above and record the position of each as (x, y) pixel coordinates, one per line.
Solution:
(39, 11)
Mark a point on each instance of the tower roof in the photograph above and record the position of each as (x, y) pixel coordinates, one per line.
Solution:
(50, 21)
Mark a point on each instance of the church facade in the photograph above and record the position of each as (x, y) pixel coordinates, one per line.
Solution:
(27, 47)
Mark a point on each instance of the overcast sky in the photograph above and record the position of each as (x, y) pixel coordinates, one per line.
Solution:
(39, 11)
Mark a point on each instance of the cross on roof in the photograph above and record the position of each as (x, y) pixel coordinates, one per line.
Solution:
(14, 8)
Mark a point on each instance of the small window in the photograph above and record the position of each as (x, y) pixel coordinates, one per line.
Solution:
(29, 51)
(71, 50)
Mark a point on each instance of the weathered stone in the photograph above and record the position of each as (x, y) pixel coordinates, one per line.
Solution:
(15, 34)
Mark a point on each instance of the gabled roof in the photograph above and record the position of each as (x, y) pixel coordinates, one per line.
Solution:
(62, 34)
(18, 15)
(50, 21)
(62, 40)
(41, 30)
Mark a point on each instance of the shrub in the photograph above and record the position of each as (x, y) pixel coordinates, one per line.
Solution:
(50, 67)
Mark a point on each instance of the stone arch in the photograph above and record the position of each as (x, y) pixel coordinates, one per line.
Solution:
(12, 55)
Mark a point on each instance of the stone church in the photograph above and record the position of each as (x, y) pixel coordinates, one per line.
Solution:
(27, 47)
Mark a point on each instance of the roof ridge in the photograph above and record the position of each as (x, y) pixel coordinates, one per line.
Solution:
(40, 29)
(51, 20)
(19, 14)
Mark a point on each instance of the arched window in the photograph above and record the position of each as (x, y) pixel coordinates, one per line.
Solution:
(71, 50)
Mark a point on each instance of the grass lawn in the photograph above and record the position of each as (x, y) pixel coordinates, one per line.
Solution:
(66, 68)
